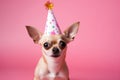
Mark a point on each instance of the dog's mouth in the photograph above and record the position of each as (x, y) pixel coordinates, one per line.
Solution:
(55, 56)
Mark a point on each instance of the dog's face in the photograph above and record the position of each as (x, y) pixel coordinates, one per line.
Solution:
(54, 45)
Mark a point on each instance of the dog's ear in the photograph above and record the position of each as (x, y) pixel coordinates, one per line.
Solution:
(71, 31)
(34, 33)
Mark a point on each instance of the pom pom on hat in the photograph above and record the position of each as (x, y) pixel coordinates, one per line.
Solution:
(49, 5)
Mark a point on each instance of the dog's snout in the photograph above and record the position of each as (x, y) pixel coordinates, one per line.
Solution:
(55, 50)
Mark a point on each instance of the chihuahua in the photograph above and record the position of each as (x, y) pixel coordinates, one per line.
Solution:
(52, 65)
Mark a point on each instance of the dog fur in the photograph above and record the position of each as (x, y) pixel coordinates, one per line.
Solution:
(52, 65)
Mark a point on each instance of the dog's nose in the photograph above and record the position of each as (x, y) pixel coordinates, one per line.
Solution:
(55, 50)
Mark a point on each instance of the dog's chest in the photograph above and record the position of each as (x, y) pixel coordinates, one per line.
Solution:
(53, 75)
(58, 76)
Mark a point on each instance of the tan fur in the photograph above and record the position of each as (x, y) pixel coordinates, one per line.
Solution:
(48, 67)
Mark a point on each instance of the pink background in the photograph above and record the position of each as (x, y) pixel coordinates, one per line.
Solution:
(94, 54)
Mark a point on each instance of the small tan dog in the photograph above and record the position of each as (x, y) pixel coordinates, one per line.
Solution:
(52, 65)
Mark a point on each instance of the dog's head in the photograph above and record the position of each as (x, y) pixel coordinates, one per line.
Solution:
(54, 45)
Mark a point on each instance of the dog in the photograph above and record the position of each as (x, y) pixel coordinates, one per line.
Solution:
(52, 65)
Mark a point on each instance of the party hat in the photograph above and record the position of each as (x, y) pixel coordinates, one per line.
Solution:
(52, 27)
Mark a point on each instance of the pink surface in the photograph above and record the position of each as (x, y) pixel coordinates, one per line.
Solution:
(95, 53)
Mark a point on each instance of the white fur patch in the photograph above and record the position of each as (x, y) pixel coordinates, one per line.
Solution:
(52, 75)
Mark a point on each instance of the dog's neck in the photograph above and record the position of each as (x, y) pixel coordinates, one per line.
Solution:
(55, 64)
